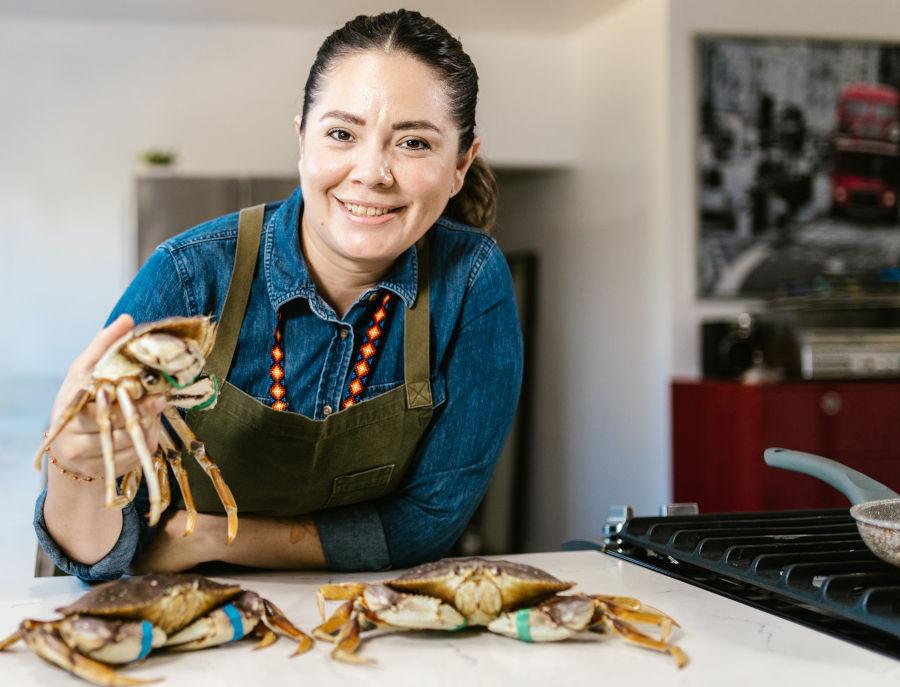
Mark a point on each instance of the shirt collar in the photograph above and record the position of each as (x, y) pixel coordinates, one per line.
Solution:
(287, 276)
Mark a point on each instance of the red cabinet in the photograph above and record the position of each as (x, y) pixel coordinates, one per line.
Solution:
(720, 430)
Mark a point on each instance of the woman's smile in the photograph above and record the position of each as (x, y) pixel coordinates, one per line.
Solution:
(368, 213)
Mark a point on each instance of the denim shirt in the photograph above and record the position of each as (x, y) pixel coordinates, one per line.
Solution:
(476, 369)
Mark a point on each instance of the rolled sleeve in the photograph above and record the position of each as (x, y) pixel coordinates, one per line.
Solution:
(352, 538)
(110, 567)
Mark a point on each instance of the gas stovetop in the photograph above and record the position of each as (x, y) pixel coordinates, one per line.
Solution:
(810, 566)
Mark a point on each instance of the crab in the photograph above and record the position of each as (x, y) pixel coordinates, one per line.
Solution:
(508, 598)
(162, 357)
(123, 621)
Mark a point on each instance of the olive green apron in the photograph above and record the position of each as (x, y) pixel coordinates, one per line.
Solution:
(284, 464)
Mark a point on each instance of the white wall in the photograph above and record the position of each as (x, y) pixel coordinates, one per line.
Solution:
(602, 346)
(82, 98)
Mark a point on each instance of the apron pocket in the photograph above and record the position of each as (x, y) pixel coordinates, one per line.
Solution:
(360, 486)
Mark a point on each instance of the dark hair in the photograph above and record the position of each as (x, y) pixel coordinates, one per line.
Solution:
(423, 38)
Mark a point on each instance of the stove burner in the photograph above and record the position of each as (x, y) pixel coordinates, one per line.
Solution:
(810, 566)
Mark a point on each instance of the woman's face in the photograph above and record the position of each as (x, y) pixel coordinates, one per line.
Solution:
(379, 158)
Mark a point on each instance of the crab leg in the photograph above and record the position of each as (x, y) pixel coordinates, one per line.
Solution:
(173, 457)
(9, 641)
(348, 641)
(198, 451)
(104, 424)
(43, 639)
(267, 637)
(338, 592)
(162, 474)
(633, 636)
(639, 614)
(70, 411)
(276, 621)
(130, 483)
(133, 425)
(333, 625)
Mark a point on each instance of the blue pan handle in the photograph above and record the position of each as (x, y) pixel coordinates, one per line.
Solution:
(852, 484)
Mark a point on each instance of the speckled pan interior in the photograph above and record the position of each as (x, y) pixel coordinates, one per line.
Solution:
(879, 526)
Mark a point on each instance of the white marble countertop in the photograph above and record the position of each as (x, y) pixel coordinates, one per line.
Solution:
(726, 642)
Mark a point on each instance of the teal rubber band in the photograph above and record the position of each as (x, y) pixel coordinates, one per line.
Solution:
(462, 626)
(235, 617)
(146, 640)
(212, 399)
(522, 626)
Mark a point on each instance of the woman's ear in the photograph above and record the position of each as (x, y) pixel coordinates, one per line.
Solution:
(462, 165)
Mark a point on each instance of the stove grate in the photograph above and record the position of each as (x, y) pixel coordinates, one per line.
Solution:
(812, 560)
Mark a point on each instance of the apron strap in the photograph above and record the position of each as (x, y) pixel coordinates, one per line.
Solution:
(417, 336)
(249, 232)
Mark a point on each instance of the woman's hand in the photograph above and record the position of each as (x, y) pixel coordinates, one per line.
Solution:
(77, 448)
(170, 550)
(74, 512)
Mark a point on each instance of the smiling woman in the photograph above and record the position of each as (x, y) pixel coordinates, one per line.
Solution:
(367, 331)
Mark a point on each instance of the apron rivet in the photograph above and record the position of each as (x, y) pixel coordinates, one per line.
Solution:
(327, 410)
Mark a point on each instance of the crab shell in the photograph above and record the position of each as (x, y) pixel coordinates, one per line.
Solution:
(169, 601)
(480, 589)
(176, 346)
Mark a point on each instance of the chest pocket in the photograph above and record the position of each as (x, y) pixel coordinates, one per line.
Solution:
(376, 481)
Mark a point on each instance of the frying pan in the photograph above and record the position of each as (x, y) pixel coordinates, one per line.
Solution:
(876, 508)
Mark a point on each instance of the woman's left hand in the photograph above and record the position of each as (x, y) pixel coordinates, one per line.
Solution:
(170, 550)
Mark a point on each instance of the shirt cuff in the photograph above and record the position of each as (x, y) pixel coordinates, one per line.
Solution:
(110, 567)
(352, 538)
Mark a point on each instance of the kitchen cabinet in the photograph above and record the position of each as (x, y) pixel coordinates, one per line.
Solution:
(721, 428)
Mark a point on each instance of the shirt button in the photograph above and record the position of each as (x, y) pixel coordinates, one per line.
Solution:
(326, 411)
(372, 297)
(343, 332)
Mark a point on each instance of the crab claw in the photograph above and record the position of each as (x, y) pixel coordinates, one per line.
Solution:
(43, 639)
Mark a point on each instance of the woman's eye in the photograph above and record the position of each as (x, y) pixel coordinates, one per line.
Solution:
(415, 144)
(340, 135)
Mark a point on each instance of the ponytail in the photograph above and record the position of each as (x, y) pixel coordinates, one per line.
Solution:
(476, 202)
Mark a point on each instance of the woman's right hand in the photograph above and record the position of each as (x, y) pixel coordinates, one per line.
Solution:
(77, 447)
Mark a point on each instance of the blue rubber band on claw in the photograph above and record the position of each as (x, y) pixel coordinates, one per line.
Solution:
(146, 639)
(235, 617)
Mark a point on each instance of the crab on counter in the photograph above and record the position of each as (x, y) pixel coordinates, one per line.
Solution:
(123, 621)
(508, 598)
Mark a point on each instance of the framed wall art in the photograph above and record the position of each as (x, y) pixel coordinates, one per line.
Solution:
(798, 167)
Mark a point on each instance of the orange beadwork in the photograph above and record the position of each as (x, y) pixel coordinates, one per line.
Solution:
(276, 371)
(367, 350)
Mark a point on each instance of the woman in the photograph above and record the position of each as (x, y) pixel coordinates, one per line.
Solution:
(332, 463)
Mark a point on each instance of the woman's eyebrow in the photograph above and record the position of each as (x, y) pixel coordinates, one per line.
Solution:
(344, 116)
(397, 126)
(416, 124)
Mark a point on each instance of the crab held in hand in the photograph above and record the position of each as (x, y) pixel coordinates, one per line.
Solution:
(511, 599)
(164, 357)
(123, 621)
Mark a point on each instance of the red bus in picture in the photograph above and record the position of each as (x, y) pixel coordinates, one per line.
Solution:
(869, 111)
(866, 148)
